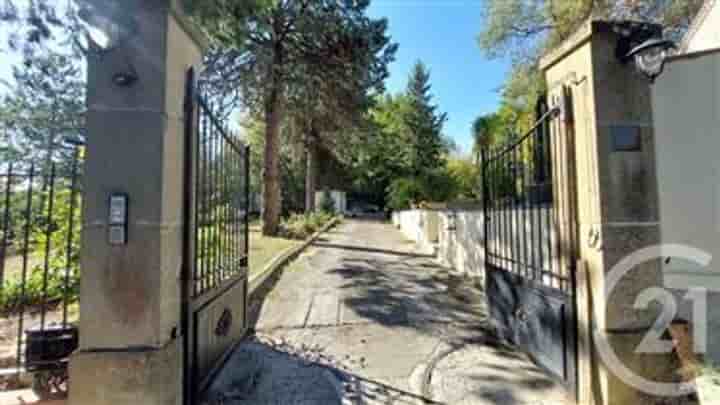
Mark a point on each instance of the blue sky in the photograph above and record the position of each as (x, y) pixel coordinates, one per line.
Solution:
(443, 34)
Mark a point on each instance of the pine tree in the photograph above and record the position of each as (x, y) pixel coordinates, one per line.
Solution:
(44, 98)
(424, 124)
(280, 45)
(44, 104)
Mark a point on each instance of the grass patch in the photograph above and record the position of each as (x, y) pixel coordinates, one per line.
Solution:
(263, 249)
(293, 231)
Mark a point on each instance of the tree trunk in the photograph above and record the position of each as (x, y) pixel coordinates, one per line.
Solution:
(272, 203)
(310, 172)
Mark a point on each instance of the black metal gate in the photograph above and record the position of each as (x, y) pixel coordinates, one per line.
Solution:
(215, 248)
(40, 221)
(530, 241)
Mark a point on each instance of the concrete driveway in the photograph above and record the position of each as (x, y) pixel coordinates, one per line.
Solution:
(363, 317)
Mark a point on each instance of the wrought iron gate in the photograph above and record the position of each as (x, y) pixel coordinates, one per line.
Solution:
(40, 221)
(215, 272)
(530, 241)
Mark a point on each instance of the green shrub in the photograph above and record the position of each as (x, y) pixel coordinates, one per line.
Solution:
(59, 257)
(404, 192)
(438, 185)
(302, 226)
(12, 297)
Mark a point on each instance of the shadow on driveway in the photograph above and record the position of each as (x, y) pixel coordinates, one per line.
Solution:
(408, 290)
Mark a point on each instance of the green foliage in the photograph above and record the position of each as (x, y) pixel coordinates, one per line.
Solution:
(423, 123)
(402, 158)
(302, 226)
(45, 103)
(214, 241)
(502, 182)
(465, 176)
(13, 295)
(404, 192)
(499, 128)
(254, 130)
(327, 204)
(490, 129)
(435, 185)
(62, 249)
(481, 132)
(57, 243)
(438, 185)
(18, 202)
(377, 155)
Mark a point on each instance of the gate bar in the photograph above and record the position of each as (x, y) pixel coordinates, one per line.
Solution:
(71, 225)
(48, 243)
(6, 227)
(189, 217)
(26, 244)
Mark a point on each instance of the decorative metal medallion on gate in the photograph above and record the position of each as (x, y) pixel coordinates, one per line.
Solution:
(224, 323)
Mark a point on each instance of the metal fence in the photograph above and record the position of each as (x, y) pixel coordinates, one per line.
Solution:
(521, 233)
(215, 239)
(221, 202)
(530, 240)
(40, 222)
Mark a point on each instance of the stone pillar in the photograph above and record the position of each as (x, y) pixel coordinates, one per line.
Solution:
(617, 204)
(130, 299)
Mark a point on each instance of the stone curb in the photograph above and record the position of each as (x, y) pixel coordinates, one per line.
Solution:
(257, 280)
(420, 378)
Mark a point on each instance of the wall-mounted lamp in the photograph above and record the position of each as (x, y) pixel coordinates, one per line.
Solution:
(650, 56)
(125, 79)
(643, 43)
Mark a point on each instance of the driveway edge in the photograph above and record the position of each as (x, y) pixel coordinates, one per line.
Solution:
(257, 280)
